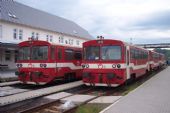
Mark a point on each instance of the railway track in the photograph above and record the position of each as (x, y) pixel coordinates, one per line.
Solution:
(33, 104)
(57, 106)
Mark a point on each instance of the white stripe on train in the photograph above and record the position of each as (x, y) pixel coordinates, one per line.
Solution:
(115, 66)
(50, 65)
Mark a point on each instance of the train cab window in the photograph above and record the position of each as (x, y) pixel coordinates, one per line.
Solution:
(52, 52)
(39, 53)
(136, 54)
(140, 54)
(69, 54)
(24, 53)
(132, 53)
(59, 53)
(111, 52)
(91, 53)
(78, 55)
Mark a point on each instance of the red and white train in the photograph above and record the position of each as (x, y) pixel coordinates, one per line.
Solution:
(113, 62)
(41, 62)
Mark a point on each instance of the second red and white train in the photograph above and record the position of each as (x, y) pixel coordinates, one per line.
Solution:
(113, 62)
(105, 62)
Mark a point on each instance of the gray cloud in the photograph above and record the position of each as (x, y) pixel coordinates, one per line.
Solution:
(158, 20)
(142, 21)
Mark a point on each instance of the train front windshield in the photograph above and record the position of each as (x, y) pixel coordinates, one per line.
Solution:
(33, 53)
(110, 52)
(39, 53)
(92, 53)
(24, 53)
(102, 52)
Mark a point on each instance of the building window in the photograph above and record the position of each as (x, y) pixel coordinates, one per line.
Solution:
(20, 34)
(47, 37)
(61, 39)
(77, 42)
(33, 35)
(51, 38)
(71, 41)
(37, 36)
(0, 31)
(15, 33)
(7, 55)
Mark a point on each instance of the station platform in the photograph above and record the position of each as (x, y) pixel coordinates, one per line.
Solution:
(7, 74)
(151, 97)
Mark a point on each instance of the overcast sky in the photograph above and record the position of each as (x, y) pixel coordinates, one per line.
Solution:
(142, 21)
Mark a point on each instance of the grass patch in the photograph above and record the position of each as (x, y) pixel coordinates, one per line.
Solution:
(90, 108)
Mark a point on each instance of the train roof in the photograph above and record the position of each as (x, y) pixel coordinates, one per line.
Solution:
(42, 42)
(109, 41)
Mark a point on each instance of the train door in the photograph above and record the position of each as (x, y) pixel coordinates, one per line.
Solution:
(59, 59)
(127, 62)
(59, 54)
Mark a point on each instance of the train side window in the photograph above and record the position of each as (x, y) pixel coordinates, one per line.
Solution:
(128, 57)
(52, 52)
(140, 55)
(145, 55)
(125, 53)
(69, 54)
(136, 54)
(78, 55)
(132, 52)
(59, 53)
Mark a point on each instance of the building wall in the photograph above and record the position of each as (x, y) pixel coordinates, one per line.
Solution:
(7, 36)
(8, 30)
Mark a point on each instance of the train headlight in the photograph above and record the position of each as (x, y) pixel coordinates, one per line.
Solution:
(83, 65)
(118, 66)
(43, 65)
(87, 66)
(113, 66)
(19, 65)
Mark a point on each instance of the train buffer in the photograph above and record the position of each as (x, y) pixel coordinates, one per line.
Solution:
(150, 97)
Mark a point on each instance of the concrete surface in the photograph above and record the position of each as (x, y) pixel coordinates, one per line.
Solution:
(105, 99)
(58, 95)
(7, 74)
(150, 97)
(36, 93)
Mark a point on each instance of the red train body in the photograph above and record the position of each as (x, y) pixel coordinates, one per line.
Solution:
(113, 62)
(41, 62)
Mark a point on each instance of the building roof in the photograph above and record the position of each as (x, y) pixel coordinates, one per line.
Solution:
(18, 13)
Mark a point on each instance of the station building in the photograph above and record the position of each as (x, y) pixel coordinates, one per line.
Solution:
(18, 22)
